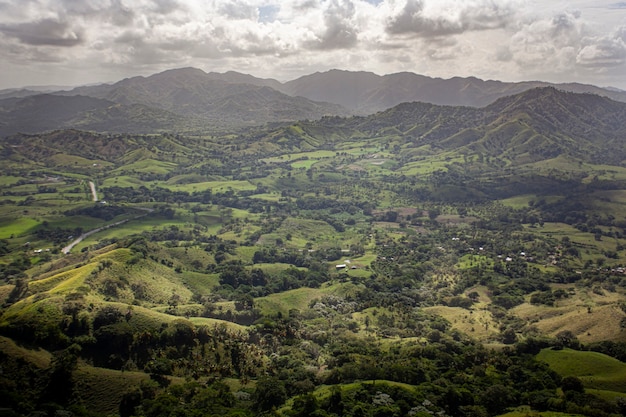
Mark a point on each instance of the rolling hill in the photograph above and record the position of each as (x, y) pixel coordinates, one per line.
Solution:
(533, 125)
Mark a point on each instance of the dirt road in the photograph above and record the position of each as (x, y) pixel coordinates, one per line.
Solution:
(93, 190)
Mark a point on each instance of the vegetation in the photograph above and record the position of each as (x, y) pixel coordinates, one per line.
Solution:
(423, 261)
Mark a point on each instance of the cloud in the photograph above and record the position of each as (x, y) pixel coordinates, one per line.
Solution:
(527, 38)
(339, 31)
(45, 32)
(551, 42)
(237, 9)
(606, 51)
(429, 19)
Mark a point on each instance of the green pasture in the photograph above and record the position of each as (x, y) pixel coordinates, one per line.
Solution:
(28, 188)
(300, 155)
(268, 196)
(612, 196)
(74, 161)
(212, 323)
(526, 411)
(200, 283)
(595, 370)
(64, 282)
(299, 298)
(131, 227)
(519, 201)
(325, 391)
(8, 180)
(274, 268)
(606, 172)
(17, 227)
(246, 253)
(470, 260)
(589, 247)
(103, 388)
(306, 164)
(215, 186)
(522, 201)
(124, 181)
(147, 166)
(39, 357)
(608, 203)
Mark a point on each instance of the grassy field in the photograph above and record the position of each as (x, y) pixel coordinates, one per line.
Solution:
(590, 316)
(595, 370)
(478, 324)
(215, 186)
(15, 227)
(526, 411)
(299, 298)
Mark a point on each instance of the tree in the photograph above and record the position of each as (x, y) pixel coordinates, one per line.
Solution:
(270, 392)
(572, 383)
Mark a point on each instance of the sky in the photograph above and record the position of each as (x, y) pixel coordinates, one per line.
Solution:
(76, 42)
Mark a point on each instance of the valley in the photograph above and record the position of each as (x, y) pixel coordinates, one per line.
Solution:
(422, 260)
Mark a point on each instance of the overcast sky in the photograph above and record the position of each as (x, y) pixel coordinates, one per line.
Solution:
(71, 42)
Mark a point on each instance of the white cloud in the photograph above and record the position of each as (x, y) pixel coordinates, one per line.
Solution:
(283, 39)
(608, 51)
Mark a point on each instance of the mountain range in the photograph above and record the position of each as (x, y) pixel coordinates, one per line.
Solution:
(191, 100)
(533, 125)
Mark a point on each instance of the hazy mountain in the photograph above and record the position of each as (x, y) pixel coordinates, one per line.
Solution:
(532, 125)
(190, 99)
(45, 112)
(225, 99)
(366, 92)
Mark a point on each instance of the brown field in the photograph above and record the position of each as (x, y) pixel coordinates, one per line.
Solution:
(589, 316)
(478, 324)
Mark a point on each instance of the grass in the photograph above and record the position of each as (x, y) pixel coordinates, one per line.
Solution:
(64, 282)
(151, 166)
(595, 370)
(17, 227)
(39, 357)
(470, 260)
(591, 317)
(200, 283)
(478, 324)
(215, 186)
(103, 389)
(203, 321)
(526, 411)
(299, 298)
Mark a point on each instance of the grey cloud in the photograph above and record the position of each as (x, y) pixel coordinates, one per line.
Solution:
(605, 52)
(121, 15)
(306, 5)
(411, 20)
(166, 6)
(237, 9)
(48, 32)
(340, 32)
(504, 54)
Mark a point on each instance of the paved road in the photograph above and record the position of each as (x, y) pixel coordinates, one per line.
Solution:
(85, 235)
(80, 238)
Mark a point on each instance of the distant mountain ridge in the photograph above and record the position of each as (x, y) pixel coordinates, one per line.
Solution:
(229, 97)
(366, 92)
(191, 100)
